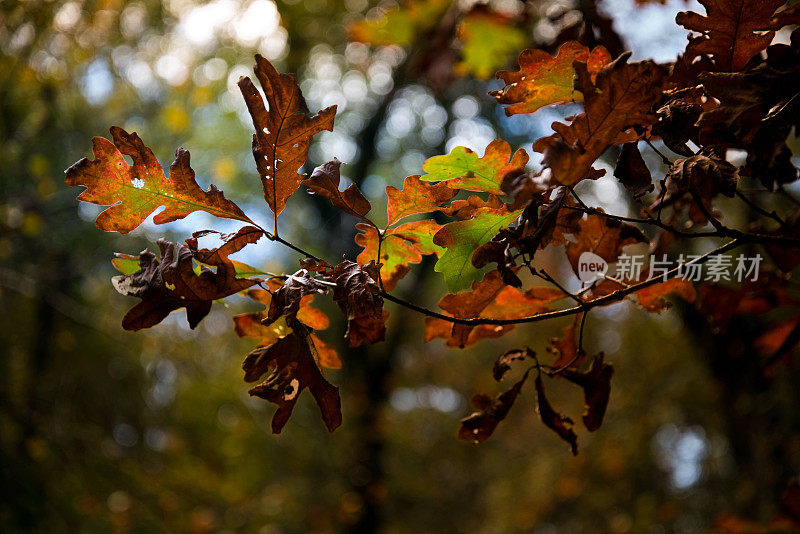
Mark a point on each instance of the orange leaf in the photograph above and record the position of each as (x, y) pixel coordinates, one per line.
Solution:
(543, 79)
(463, 169)
(283, 131)
(621, 97)
(653, 298)
(134, 192)
(416, 197)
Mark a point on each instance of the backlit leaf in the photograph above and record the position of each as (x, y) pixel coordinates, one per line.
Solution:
(416, 197)
(543, 80)
(135, 191)
(463, 169)
(461, 238)
(283, 131)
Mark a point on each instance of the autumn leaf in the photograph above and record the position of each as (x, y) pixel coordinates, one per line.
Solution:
(466, 208)
(135, 191)
(416, 197)
(602, 236)
(171, 283)
(488, 40)
(480, 425)
(559, 423)
(286, 301)
(358, 295)
(566, 348)
(325, 181)
(543, 80)
(503, 363)
(620, 97)
(401, 247)
(463, 169)
(399, 25)
(489, 298)
(732, 32)
(596, 384)
(653, 298)
(293, 370)
(283, 131)
(632, 171)
(461, 238)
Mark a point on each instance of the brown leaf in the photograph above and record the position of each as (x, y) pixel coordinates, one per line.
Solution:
(732, 32)
(621, 97)
(480, 425)
(171, 283)
(709, 176)
(283, 131)
(632, 171)
(134, 192)
(602, 236)
(489, 298)
(596, 384)
(325, 181)
(559, 423)
(566, 348)
(286, 300)
(416, 197)
(503, 363)
(358, 295)
(293, 370)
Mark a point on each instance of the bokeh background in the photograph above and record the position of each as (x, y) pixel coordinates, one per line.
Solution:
(103, 430)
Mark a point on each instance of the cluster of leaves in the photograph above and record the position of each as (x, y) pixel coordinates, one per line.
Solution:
(731, 89)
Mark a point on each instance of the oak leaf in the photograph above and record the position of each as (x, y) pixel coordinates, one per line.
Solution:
(461, 238)
(559, 423)
(596, 384)
(135, 191)
(293, 370)
(653, 298)
(171, 283)
(286, 301)
(358, 295)
(620, 98)
(463, 169)
(543, 80)
(416, 197)
(283, 131)
(632, 171)
(400, 247)
(324, 180)
(480, 425)
(732, 32)
(602, 236)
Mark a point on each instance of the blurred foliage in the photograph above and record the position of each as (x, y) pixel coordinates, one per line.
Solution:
(106, 431)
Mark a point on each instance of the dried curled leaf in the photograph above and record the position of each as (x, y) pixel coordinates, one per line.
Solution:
(325, 181)
(503, 363)
(416, 197)
(480, 425)
(358, 295)
(283, 131)
(602, 236)
(463, 169)
(559, 423)
(293, 370)
(543, 80)
(172, 283)
(135, 191)
(286, 301)
(596, 384)
(620, 98)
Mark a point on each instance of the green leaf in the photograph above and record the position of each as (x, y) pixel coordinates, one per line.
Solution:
(463, 169)
(461, 238)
